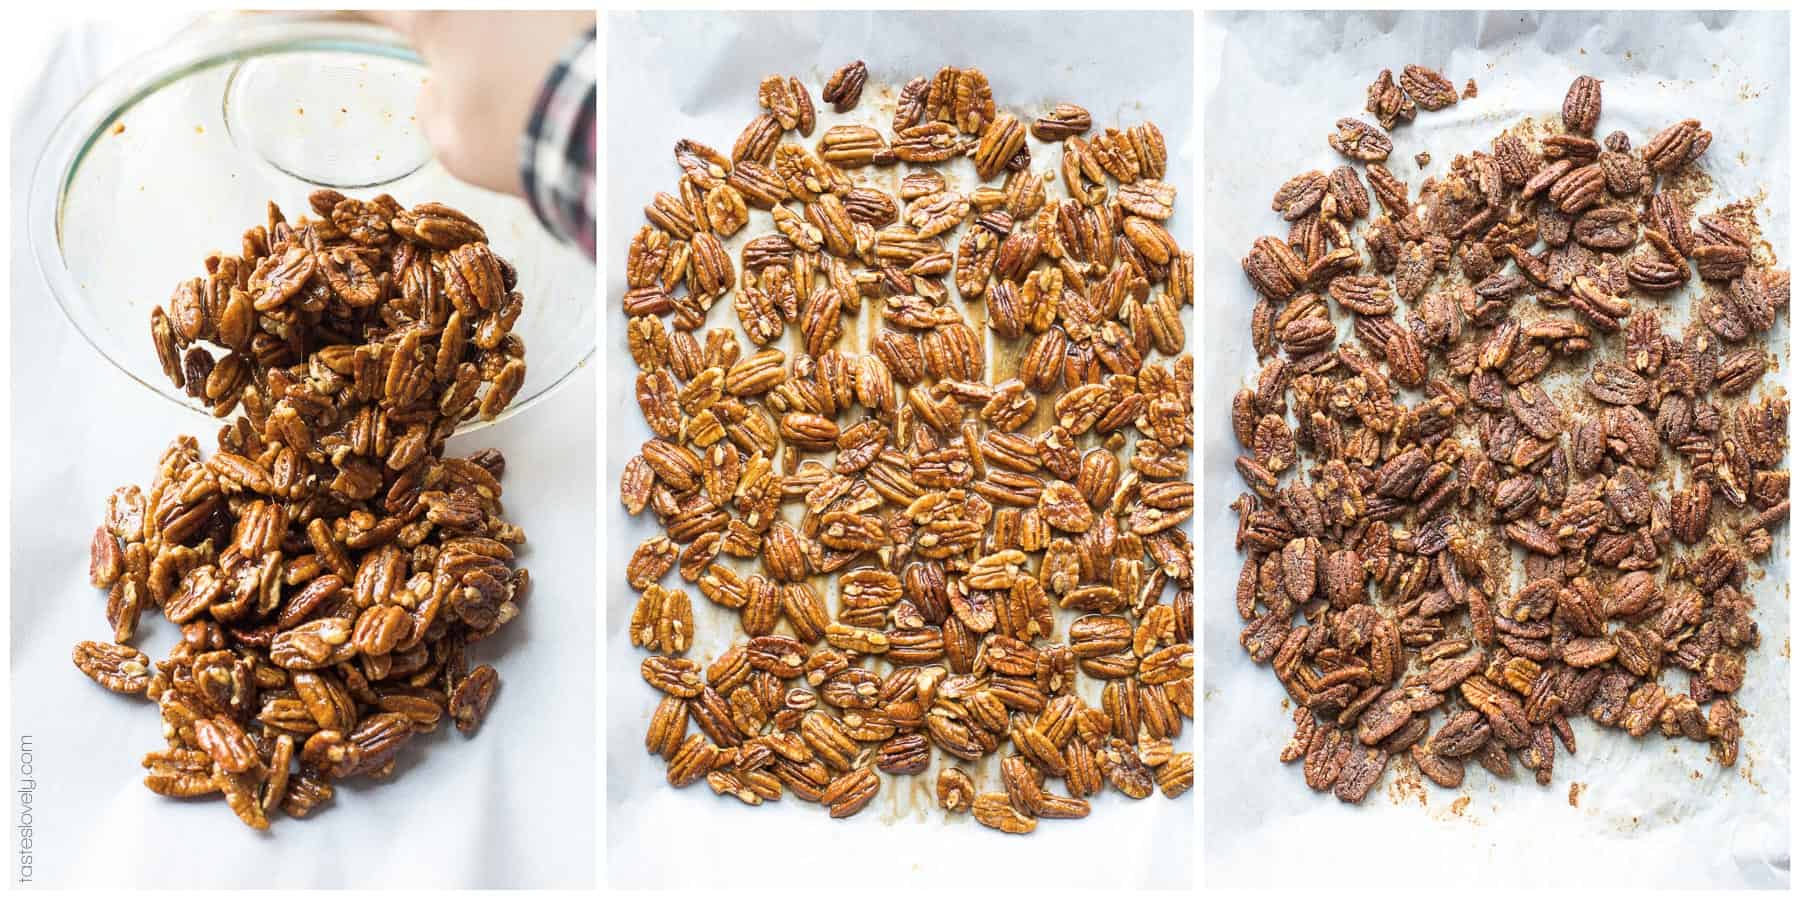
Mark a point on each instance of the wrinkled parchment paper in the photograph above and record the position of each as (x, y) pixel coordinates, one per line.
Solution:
(510, 807)
(695, 75)
(1653, 812)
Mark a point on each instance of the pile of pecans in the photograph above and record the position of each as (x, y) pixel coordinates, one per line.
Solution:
(955, 505)
(327, 566)
(1396, 474)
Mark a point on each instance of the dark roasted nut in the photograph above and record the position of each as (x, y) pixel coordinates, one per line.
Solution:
(1361, 141)
(1388, 103)
(1676, 145)
(1415, 446)
(1426, 87)
(1581, 108)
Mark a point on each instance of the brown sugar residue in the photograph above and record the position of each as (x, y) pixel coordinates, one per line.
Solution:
(1459, 804)
(1406, 787)
(1689, 185)
(1742, 213)
(1469, 90)
(1530, 129)
(118, 128)
(1746, 769)
(1575, 789)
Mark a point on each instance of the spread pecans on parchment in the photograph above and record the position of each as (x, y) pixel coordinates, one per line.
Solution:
(867, 444)
(1509, 496)
(327, 566)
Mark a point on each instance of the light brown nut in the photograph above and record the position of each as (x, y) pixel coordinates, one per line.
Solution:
(845, 86)
(469, 702)
(117, 668)
(995, 811)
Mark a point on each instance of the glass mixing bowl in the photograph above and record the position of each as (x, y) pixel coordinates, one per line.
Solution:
(176, 153)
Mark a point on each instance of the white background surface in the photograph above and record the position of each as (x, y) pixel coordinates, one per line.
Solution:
(510, 807)
(695, 76)
(1657, 813)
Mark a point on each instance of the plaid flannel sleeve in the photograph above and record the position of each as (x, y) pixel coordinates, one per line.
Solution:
(557, 151)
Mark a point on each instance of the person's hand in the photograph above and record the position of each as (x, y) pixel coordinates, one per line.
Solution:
(485, 72)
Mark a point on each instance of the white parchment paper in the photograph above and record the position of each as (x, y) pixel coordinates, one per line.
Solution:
(694, 75)
(1651, 812)
(510, 807)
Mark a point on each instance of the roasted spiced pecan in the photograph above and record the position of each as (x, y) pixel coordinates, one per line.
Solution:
(1388, 103)
(1393, 463)
(1429, 89)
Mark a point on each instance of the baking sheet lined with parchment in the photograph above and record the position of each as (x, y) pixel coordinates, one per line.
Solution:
(1620, 812)
(674, 76)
